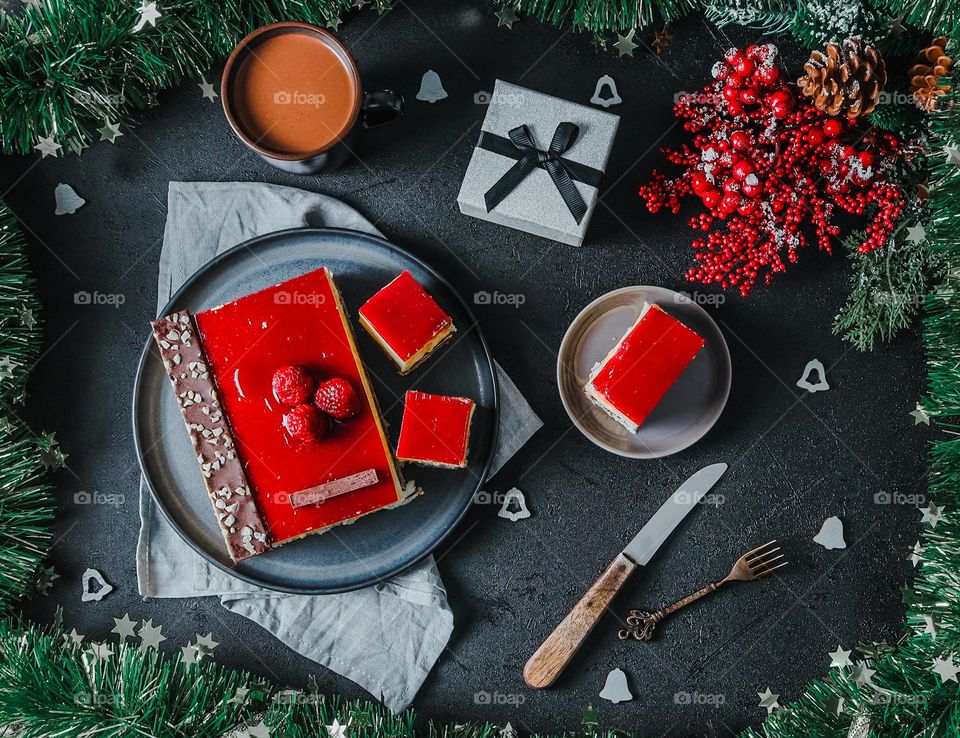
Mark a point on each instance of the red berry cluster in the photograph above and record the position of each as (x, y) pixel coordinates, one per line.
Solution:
(332, 399)
(766, 162)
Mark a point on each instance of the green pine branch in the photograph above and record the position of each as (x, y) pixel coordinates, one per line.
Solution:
(769, 16)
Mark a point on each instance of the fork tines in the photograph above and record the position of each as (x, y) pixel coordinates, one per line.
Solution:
(761, 559)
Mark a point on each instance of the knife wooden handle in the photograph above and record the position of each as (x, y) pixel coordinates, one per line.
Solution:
(550, 659)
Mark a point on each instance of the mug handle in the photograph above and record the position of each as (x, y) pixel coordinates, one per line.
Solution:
(380, 107)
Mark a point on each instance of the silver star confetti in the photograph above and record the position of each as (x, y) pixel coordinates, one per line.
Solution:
(206, 644)
(110, 131)
(625, 44)
(769, 700)
(101, 651)
(946, 669)
(125, 627)
(189, 654)
(840, 658)
(931, 514)
(920, 415)
(27, 317)
(150, 635)
(507, 16)
(953, 155)
(77, 145)
(240, 696)
(148, 14)
(916, 234)
(862, 673)
(336, 730)
(360, 4)
(259, 731)
(930, 626)
(916, 556)
(206, 90)
(334, 25)
(73, 637)
(47, 147)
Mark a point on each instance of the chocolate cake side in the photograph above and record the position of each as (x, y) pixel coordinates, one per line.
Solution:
(243, 529)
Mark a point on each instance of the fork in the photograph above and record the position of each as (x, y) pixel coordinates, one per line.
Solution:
(752, 565)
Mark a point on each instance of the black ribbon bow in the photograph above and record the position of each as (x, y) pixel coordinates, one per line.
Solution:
(563, 172)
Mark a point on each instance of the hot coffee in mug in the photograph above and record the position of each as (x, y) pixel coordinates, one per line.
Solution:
(292, 93)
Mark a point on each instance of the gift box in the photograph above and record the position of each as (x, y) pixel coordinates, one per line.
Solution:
(538, 163)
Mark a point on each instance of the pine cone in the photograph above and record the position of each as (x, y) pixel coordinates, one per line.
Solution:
(927, 77)
(845, 79)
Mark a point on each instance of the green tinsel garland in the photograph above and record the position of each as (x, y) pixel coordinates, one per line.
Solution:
(19, 312)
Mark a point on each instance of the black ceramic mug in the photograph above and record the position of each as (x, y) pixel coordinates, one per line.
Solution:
(292, 93)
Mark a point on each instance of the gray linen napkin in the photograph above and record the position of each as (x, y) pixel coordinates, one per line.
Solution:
(386, 638)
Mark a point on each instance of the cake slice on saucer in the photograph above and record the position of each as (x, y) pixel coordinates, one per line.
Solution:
(636, 374)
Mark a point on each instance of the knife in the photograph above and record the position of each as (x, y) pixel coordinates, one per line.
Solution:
(550, 659)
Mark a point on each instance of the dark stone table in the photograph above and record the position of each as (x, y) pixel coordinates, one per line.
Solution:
(795, 458)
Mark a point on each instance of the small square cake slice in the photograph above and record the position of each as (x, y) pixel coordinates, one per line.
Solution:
(633, 378)
(406, 322)
(435, 429)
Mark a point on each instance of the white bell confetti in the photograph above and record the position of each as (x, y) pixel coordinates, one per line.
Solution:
(814, 365)
(87, 594)
(616, 689)
(514, 506)
(67, 199)
(831, 534)
(431, 88)
(606, 94)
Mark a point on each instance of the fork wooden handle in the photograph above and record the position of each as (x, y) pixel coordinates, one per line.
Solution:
(550, 659)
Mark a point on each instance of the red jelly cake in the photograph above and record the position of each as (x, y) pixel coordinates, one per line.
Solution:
(435, 429)
(406, 322)
(644, 364)
(281, 413)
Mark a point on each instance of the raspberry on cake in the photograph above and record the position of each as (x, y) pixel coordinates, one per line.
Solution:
(435, 429)
(250, 442)
(644, 364)
(406, 322)
(337, 398)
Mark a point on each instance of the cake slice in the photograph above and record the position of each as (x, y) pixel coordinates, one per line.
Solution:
(435, 429)
(406, 322)
(299, 484)
(633, 378)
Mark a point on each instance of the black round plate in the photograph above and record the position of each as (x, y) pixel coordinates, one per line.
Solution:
(378, 545)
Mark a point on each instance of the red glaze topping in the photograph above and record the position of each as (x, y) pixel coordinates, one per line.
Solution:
(337, 398)
(298, 322)
(292, 385)
(647, 362)
(435, 428)
(307, 424)
(405, 316)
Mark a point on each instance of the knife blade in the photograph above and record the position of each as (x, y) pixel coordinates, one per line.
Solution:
(543, 668)
(651, 536)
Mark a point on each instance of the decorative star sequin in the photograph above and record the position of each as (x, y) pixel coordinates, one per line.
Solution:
(360, 4)
(334, 24)
(206, 90)
(953, 155)
(101, 651)
(259, 731)
(240, 696)
(27, 317)
(930, 626)
(77, 145)
(916, 555)
(109, 131)
(862, 673)
(507, 16)
(7, 365)
(189, 654)
(148, 14)
(769, 700)
(73, 637)
(920, 415)
(336, 730)
(946, 669)
(625, 44)
(840, 658)
(125, 627)
(47, 147)
(599, 42)
(916, 234)
(50, 454)
(931, 514)
(206, 644)
(895, 26)
(150, 635)
(45, 580)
